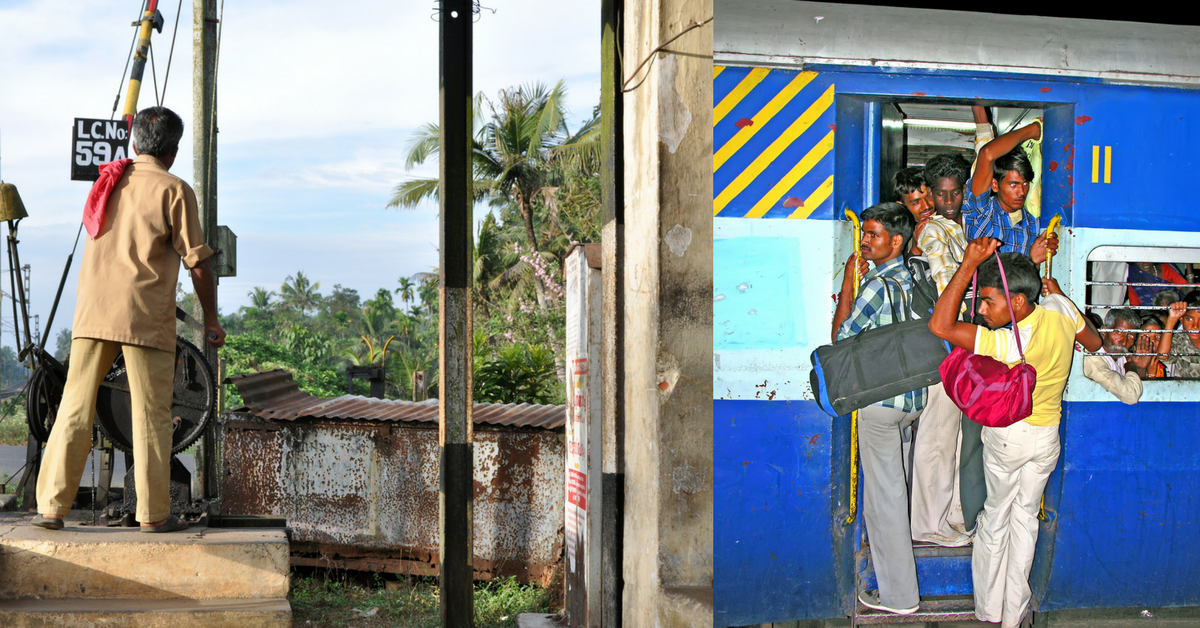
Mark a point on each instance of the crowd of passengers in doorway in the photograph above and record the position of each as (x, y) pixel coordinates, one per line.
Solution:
(957, 483)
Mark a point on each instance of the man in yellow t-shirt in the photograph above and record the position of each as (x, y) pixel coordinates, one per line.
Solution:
(1017, 459)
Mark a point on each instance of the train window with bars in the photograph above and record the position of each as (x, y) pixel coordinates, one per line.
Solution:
(1144, 281)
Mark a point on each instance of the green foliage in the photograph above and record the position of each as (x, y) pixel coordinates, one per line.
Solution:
(12, 372)
(517, 374)
(62, 344)
(253, 352)
(405, 602)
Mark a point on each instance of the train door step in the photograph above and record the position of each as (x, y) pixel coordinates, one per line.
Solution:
(941, 571)
(932, 609)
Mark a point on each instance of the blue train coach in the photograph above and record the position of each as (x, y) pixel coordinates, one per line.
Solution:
(815, 105)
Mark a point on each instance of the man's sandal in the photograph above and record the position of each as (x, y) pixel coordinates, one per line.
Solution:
(173, 524)
(50, 523)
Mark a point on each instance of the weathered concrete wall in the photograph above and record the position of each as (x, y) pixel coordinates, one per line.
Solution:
(368, 492)
(668, 316)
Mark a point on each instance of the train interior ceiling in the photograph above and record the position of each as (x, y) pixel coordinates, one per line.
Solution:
(934, 128)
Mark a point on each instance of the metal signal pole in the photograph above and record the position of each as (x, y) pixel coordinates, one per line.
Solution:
(150, 20)
(457, 484)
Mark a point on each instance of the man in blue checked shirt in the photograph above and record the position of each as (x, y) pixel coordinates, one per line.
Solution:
(886, 231)
(994, 206)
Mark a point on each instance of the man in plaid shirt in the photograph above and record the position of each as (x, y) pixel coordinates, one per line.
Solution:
(994, 206)
(886, 231)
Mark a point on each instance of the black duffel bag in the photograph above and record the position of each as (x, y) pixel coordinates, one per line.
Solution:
(879, 363)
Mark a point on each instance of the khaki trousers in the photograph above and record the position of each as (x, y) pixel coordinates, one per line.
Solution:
(1017, 462)
(151, 374)
(934, 491)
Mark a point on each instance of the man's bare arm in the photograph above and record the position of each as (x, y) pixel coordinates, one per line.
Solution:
(205, 285)
(981, 181)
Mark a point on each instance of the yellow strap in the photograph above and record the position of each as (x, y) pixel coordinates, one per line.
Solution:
(853, 218)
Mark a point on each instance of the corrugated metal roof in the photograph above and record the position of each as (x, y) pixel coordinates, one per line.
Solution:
(275, 395)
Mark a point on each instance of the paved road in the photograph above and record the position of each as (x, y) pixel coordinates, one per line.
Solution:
(12, 458)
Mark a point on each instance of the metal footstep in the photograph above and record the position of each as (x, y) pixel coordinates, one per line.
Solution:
(933, 609)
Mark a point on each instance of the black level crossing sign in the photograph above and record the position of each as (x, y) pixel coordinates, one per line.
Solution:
(96, 142)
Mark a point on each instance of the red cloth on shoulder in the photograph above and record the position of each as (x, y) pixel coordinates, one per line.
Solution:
(97, 200)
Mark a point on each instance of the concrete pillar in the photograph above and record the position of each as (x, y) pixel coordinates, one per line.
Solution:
(667, 566)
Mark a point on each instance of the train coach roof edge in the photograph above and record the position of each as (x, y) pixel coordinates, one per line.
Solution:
(789, 33)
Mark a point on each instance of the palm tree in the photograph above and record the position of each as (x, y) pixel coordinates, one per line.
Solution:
(407, 290)
(260, 297)
(519, 156)
(299, 293)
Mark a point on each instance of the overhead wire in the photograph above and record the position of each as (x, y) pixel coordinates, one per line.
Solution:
(651, 56)
(171, 54)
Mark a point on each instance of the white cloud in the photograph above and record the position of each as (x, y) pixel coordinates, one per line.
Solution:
(316, 100)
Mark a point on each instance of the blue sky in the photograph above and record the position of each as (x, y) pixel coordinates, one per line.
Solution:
(316, 102)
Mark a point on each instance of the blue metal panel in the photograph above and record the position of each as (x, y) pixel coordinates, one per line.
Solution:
(1127, 527)
(940, 571)
(1058, 164)
(776, 546)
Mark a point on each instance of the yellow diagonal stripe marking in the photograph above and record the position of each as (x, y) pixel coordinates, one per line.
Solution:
(738, 93)
(1095, 164)
(777, 147)
(815, 199)
(793, 176)
(717, 70)
(763, 116)
(1108, 164)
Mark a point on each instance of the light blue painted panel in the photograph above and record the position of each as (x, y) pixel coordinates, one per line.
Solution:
(757, 293)
(777, 372)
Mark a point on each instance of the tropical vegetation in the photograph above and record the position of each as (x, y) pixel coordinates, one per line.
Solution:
(537, 180)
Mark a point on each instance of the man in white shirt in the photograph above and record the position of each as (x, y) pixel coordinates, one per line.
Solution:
(1108, 368)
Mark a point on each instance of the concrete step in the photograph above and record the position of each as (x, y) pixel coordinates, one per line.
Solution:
(956, 608)
(146, 613)
(86, 563)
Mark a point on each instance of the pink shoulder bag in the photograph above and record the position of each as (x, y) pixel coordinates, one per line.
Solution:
(987, 390)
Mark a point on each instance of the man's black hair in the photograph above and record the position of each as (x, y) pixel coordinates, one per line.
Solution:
(1016, 159)
(947, 165)
(1153, 317)
(895, 218)
(907, 181)
(1021, 272)
(156, 131)
(1192, 299)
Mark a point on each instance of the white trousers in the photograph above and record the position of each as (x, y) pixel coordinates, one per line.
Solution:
(935, 500)
(1017, 460)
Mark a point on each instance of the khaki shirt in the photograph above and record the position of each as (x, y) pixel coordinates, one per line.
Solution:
(129, 272)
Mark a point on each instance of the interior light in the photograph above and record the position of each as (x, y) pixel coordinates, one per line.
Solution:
(949, 125)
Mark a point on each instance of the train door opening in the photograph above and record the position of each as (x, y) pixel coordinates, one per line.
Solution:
(908, 134)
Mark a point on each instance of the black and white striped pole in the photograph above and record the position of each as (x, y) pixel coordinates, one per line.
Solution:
(454, 372)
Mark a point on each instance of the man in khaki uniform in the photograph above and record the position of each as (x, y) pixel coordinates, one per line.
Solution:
(126, 304)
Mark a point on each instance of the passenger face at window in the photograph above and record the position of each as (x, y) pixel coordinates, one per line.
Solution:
(877, 244)
(1011, 190)
(947, 175)
(1191, 323)
(920, 203)
(1024, 285)
(909, 185)
(1119, 341)
(993, 308)
(948, 199)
